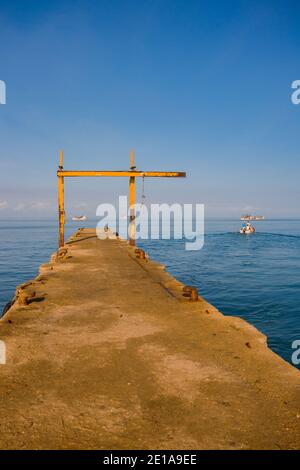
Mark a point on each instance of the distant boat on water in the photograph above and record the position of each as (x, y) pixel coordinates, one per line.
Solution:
(79, 217)
(252, 217)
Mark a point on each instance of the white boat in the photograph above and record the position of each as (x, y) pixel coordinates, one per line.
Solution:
(79, 217)
(252, 217)
(247, 230)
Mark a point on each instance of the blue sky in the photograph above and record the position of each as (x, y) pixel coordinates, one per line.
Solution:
(198, 86)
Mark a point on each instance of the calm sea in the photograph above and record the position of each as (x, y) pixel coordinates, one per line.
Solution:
(255, 277)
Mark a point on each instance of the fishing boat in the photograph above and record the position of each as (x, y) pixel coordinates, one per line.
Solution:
(252, 217)
(246, 231)
(79, 217)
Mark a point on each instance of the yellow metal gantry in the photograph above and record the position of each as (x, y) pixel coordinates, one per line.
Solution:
(132, 174)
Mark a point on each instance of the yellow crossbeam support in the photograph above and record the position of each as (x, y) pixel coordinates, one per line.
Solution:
(132, 173)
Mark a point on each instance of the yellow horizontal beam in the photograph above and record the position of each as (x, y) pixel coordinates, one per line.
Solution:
(163, 174)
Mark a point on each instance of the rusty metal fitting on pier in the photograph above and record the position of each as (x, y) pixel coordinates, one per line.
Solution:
(194, 295)
(190, 292)
(187, 288)
(61, 254)
(140, 254)
(24, 295)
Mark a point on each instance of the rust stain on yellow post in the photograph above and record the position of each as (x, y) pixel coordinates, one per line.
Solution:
(132, 202)
(61, 203)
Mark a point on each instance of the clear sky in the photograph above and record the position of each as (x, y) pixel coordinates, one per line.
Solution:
(200, 86)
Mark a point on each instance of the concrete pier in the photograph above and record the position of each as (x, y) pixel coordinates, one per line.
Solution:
(105, 352)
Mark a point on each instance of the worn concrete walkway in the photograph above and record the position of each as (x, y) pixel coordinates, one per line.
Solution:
(109, 354)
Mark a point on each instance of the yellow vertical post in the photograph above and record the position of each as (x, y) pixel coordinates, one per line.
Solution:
(132, 202)
(61, 160)
(61, 204)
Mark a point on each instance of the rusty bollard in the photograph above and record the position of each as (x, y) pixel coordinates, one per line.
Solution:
(140, 254)
(25, 295)
(61, 254)
(191, 293)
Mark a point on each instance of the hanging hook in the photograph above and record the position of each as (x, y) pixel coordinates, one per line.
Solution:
(143, 197)
(143, 189)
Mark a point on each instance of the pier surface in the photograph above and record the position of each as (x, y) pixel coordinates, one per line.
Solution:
(104, 352)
